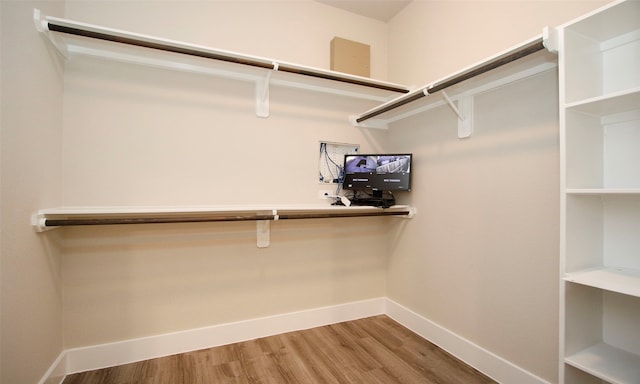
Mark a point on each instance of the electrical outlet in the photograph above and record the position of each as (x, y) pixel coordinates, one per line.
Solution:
(326, 194)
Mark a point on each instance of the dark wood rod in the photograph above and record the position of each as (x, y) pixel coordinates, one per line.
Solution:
(205, 219)
(52, 26)
(403, 100)
(345, 214)
(152, 220)
(499, 61)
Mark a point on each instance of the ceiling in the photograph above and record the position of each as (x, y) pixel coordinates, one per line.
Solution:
(382, 10)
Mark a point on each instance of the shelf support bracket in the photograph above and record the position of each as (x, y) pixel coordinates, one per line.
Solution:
(41, 26)
(464, 111)
(262, 96)
(262, 93)
(373, 123)
(39, 223)
(550, 39)
(263, 230)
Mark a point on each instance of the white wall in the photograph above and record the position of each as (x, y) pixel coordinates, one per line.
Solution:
(429, 40)
(31, 133)
(298, 31)
(145, 136)
(140, 136)
(481, 257)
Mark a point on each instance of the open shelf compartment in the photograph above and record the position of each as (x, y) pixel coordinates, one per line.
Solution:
(615, 279)
(602, 337)
(607, 363)
(603, 143)
(603, 51)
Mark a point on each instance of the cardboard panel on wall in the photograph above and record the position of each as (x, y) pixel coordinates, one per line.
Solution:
(350, 57)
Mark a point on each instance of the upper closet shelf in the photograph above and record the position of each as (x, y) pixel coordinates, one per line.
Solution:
(76, 38)
(457, 90)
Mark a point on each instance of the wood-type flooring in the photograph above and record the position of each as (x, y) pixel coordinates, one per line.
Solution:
(374, 350)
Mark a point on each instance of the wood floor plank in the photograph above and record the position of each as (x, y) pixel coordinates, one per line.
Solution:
(344, 337)
(313, 362)
(375, 350)
(338, 356)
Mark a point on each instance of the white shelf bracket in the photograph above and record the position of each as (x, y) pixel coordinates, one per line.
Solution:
(550, 39)
(38, 222)
(263, 231)
(262, 92)
(372, 123)
(464, 111)
(465, 126)
(412, 212)
(41, 26)
(262, 96)
(37, 19)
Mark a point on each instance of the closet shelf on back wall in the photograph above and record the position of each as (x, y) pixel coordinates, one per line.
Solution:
(47, 219)
(76, 38)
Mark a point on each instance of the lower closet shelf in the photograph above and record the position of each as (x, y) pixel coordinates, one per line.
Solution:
(608, 363)
(47, 219)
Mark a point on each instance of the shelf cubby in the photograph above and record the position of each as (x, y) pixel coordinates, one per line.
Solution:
(602, 338)
(603, 143)
(614, 279)
(603, 52)
(602, 232)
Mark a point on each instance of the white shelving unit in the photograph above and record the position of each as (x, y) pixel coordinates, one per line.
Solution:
(599, 59)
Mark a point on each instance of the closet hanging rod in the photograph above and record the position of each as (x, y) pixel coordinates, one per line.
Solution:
(151, 220)
(286, 216)
(106, 34)
(47, 222)
(508, 57)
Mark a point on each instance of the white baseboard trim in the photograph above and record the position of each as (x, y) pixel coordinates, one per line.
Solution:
(57, 372)
(129, 351)
(492, 365)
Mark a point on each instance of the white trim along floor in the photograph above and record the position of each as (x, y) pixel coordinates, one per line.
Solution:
(128, 351)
